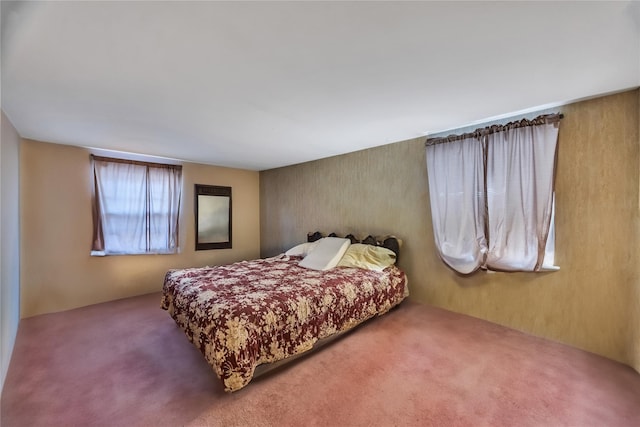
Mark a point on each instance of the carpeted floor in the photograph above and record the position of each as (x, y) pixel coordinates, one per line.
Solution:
(125, 363)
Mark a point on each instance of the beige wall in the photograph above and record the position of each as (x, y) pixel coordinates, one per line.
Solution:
(635, 299)
(9, 243)
(57, 271)
(588, 303)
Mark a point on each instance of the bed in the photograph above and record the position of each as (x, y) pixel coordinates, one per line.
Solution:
(262, 311)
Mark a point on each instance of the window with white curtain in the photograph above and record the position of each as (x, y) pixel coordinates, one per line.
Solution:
(492, 196)
(136, 207)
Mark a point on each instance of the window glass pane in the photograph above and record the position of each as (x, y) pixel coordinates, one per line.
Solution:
(550, 249)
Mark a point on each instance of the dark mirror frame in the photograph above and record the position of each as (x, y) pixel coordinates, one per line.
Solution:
(204, 215)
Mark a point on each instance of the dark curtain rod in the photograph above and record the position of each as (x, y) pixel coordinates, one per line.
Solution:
(542, 119)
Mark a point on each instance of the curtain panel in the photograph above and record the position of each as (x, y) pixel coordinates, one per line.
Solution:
(136, 207)
(492, 196)
(457, 193)
(520, 185)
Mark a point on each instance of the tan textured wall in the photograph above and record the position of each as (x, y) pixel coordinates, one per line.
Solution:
(57, 271)
(378, 191)
(635, 300)
(587, 303)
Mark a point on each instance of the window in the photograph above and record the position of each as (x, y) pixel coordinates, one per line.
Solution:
(492, 196)
(136, 207)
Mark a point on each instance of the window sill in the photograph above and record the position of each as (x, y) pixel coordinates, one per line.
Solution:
(103, 254)
(543, 269)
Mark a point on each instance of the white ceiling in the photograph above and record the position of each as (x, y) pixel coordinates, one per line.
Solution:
(258, 85)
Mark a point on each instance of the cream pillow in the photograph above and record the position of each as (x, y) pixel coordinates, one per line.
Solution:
(326, 254)
(368, 257)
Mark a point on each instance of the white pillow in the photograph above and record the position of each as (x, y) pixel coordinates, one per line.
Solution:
(326, 254)
(302, 249)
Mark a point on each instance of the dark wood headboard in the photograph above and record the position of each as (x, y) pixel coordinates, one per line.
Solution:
(390, 242)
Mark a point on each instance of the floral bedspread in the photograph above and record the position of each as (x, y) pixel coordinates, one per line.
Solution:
(252, 312)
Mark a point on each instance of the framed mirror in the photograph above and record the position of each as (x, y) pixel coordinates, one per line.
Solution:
(213, 217)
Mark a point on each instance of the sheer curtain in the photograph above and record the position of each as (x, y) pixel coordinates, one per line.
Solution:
(135, 207)
(165, 185)
(456, 189)
(492, 196)
(520, 172)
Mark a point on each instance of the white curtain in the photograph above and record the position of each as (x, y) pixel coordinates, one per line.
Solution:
(492, 196)
(165, 186)
(520, 172)
(456, 189)
(136, 207)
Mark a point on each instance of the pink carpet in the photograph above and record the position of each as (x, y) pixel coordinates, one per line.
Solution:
(125, 363)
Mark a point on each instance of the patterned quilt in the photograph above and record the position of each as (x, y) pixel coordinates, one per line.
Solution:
(253, 312)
